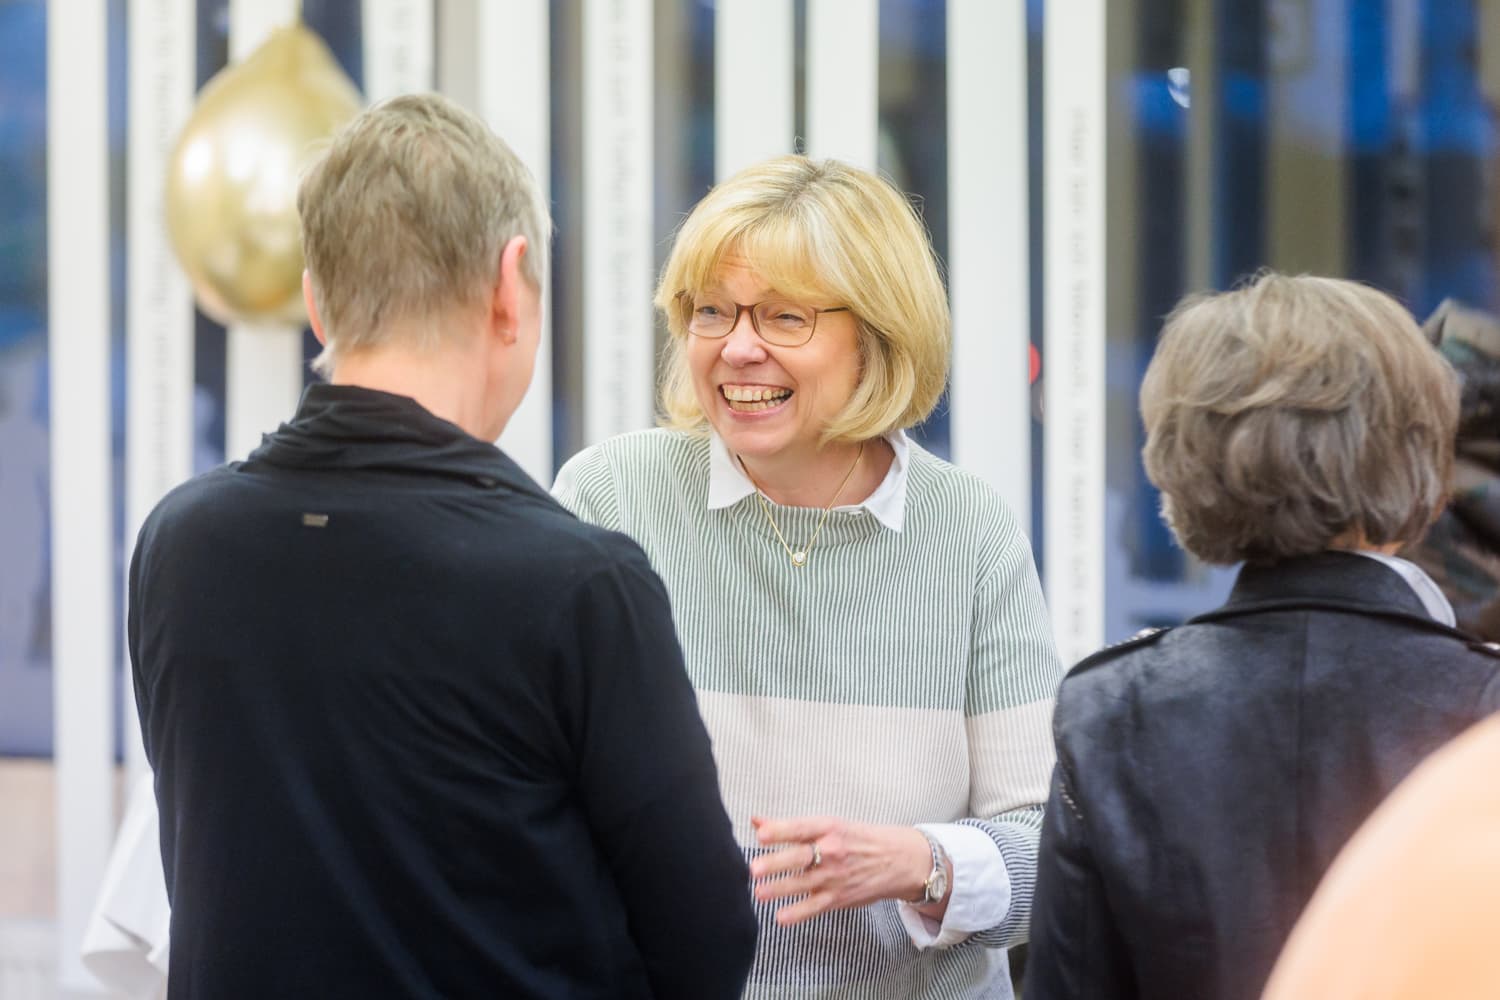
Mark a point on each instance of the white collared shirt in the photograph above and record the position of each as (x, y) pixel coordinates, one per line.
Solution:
(1427, 591)
(728, 484)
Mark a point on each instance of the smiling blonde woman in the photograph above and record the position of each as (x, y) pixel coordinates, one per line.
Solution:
(861, 620)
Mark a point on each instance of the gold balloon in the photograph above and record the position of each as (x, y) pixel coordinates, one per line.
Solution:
(231, 199)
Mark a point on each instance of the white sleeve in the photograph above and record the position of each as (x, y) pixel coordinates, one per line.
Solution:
(979, 897)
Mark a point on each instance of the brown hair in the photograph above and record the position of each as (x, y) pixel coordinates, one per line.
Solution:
(1295, 411)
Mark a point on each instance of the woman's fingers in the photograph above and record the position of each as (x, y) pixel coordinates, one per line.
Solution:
(805, 909)
(784, 888)
(794, 858)
(797, 828)
(857, 864)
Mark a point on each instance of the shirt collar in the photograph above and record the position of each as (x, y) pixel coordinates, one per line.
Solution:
(728, 484)
(354, 428)
(1421, 584)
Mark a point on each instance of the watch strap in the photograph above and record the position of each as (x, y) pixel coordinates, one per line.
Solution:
(935, 887)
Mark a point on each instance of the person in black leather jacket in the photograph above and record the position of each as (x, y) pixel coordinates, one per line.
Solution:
(1208, 774)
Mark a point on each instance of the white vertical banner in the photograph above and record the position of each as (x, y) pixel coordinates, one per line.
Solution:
(398, 47)
(843, 98)
(515, 98)
(263, 362)
(989, 255)
(618, 251)
(83, 564)
(1073, 95)
(754, 77)
(158, 302)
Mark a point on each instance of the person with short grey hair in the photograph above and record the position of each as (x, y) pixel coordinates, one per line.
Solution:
(1294, 415)
(416, 730)
(1207, 774)
(405, 215)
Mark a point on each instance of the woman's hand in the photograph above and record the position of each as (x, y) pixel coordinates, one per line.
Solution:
(857, 864)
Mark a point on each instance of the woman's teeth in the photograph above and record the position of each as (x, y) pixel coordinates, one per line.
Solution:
(747, 399)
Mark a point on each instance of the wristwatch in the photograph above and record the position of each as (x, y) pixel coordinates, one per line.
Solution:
(936, 885)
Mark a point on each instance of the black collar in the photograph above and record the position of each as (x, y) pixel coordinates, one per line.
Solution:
(1328, 581)
(351, 428)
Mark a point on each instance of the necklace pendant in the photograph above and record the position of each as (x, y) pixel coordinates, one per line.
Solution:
(799, 558)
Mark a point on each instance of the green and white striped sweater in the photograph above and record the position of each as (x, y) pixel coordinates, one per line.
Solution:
(898, 677)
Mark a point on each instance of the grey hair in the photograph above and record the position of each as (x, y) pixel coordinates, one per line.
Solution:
(1293, 413)
(404, 215)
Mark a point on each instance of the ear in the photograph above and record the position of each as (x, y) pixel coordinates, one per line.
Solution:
(505, 302)
(311, 301)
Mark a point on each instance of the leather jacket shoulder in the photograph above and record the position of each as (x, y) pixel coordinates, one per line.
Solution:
(1208, 774)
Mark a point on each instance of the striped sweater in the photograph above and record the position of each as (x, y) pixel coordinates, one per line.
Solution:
(898, 677)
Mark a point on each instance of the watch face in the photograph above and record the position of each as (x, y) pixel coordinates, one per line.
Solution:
(938, 885)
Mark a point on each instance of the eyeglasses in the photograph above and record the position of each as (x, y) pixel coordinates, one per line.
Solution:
(776, 321)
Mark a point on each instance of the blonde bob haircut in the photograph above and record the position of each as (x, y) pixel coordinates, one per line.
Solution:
(1297, 414)
(827, 234)
(404, 215)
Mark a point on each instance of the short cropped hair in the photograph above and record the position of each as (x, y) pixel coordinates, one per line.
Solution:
(821, 231)
(404, 216)
(1294, 412)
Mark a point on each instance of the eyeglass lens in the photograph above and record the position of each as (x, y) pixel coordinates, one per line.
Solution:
(777, 321)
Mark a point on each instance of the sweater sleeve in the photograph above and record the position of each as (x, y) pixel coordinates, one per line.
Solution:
(1013, 676)
(649, 787)
(585, 485)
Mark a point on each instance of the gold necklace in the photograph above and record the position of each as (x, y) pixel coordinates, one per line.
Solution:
(799, 556)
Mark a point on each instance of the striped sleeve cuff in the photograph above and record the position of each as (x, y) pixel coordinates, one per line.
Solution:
(1018, 835)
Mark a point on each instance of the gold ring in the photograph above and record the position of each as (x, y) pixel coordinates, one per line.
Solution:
(817, 855)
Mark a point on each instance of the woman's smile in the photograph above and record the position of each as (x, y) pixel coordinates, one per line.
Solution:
(754, 399)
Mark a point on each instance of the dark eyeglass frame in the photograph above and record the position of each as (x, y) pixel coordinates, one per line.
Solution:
(685, 307)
